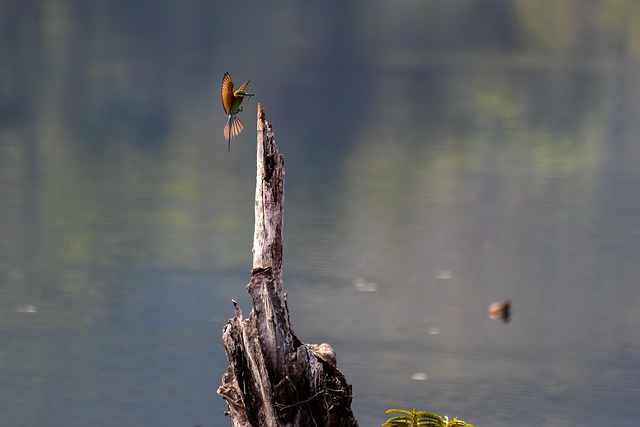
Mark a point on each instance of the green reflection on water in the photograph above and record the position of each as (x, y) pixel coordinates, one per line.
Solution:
(491, 141)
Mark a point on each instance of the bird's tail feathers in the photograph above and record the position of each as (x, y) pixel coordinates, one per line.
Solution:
(233, 127)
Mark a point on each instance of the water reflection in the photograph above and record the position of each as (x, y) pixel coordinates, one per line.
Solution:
(439, 157)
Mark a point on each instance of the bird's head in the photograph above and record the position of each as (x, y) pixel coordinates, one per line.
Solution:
(241, 92)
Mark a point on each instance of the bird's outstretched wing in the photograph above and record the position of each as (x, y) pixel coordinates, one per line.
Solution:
(244, 86)
(227, 93)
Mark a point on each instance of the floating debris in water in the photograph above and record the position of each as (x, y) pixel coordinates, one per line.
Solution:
(29, 308)
(444, 274)
(434, 331)
(419, 376)
(500, 310)
(364, 286)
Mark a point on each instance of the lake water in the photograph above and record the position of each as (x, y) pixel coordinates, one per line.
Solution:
(440, 156)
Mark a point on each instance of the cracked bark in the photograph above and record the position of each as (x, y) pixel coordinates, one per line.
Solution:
(274, 379)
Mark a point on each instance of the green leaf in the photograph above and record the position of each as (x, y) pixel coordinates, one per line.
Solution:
(401, 411)
(422, 418)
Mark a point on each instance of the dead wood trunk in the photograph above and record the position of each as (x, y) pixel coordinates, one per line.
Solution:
(274, 379)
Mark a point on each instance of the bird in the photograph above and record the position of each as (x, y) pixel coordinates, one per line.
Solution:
(500, 310)
(231, 101)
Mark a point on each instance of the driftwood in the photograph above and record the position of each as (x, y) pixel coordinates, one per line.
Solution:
(274, 379)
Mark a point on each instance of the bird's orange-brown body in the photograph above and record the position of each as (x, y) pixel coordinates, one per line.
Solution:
(231, 102)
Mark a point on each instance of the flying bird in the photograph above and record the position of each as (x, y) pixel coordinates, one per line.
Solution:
(500, 310)
(231, 101)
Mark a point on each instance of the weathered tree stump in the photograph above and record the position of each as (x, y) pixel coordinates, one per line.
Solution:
(274, 379)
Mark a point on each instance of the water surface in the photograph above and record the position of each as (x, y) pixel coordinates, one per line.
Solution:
(440, 156)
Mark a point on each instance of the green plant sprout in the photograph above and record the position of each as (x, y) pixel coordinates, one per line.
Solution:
(415, 419)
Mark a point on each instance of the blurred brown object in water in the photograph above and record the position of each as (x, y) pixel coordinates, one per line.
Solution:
(500, 310)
